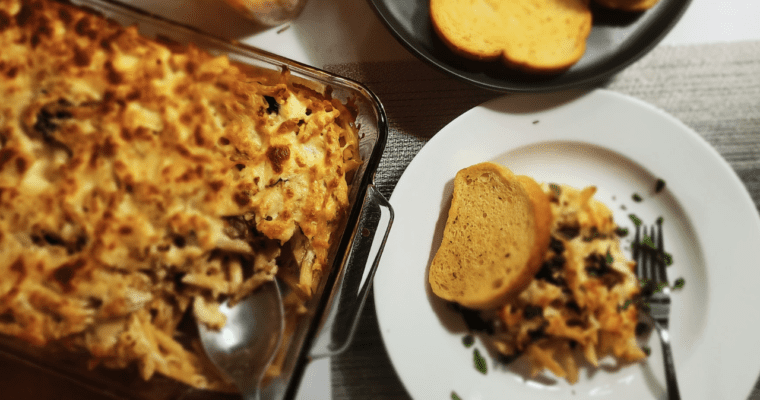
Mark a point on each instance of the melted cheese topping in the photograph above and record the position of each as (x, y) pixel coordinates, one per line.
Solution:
(137, 179)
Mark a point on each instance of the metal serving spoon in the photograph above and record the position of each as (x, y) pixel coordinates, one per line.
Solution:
(246, 345)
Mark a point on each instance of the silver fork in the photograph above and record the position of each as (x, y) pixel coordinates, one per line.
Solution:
(650, 268)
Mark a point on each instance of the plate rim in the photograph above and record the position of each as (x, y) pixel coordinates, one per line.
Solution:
(747, 204)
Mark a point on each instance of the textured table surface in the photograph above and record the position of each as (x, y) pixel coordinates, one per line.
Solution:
(714, 89)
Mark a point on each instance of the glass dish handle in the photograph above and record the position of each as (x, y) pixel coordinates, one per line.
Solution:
(353, 283)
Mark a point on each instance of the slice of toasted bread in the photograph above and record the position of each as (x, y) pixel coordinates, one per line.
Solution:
(489, 243)
(628, 5)
(540, 36)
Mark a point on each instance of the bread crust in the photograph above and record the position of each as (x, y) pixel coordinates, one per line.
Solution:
(538, 36)
(491, 245)
(628, 5)
(544, 217)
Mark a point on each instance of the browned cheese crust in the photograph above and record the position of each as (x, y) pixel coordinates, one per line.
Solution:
(138, 179)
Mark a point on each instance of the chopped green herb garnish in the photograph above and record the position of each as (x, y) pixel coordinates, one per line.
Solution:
(637, 198)
(621, 231)
(556, 190)
(647, 241)
(679, 283)
(468, 340)
(626, 304)
(659, 185)
(635, 219)
(480, 362)
(660, 220)
(668, 258)
(454, 396)
(646, 350)
(609, 259)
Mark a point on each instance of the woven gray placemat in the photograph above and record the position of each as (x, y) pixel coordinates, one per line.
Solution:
(714, 89)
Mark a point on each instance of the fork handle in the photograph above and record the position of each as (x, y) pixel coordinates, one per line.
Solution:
(670, 365)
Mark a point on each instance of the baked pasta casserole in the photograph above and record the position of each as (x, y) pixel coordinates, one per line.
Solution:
(141, 184)
(581, 301)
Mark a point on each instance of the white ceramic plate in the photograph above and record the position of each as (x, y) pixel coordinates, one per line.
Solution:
(621, 145)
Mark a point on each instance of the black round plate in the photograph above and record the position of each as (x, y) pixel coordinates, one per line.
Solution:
(617, 39)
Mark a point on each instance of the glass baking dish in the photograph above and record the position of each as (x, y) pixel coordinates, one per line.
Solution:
(334, 310)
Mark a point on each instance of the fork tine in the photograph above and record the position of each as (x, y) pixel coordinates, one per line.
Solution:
(637, 253)
(652, 257)
(660, 258)
(646, 269)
